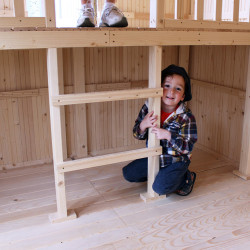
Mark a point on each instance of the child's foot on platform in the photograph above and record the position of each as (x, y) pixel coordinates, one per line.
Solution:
(86, 18)
(188, 187)
(113, 17)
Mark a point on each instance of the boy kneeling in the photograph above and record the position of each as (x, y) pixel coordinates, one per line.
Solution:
(177, 135)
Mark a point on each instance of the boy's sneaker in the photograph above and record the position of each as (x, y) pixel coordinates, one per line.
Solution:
(113, 17)
(188, 187)
(86, 18)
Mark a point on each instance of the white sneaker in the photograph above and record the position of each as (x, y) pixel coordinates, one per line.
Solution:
(113, 17)
(87, 17)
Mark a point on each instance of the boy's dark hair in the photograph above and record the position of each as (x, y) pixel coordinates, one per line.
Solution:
(176, 70)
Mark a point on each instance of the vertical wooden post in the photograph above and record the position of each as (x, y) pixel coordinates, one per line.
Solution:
(200, 9)
(218, 10)
(154, 81)
(80, 114)
(193, 10)
(50, 14)
(56, 135)
(236, 10)
(19, 8)
(62, 109)
(180, 9)
(156, 14)
(244, 169)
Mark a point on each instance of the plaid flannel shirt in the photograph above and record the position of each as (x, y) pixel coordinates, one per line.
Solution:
(182, 125)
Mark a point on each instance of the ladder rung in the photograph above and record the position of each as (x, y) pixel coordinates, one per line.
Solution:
(108, 159)
(106, 96)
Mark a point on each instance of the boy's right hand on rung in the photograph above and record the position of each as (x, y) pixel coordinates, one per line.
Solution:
(148, 121)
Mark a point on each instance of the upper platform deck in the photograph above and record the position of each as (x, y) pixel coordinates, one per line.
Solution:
(188, 26)
(176, 32)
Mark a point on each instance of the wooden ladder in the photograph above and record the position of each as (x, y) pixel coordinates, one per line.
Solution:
(58, 100)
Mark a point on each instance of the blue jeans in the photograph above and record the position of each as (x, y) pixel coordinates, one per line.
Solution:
(168, 180)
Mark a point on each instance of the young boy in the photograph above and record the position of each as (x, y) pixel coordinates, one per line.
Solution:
(177, 136)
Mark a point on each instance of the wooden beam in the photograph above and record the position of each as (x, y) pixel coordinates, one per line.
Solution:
(156, 14)
(157, 37)
(19, 8)
(50, 14)
(154, 81)
(70, 89)
(102, 160)
(218, 10)
(80, 110)
(200, 10)
(128, 37)
(56, 134)
(53, 39)
(105, 96)
(192, 10)
(244, 169)
(180, 9)
(22, 22)
(236, 10)
(62, 110)
(217, 25)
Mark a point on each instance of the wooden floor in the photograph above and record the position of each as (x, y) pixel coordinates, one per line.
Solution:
(112, 216)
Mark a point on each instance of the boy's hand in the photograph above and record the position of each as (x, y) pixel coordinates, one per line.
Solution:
(161, 133)
(148, 121)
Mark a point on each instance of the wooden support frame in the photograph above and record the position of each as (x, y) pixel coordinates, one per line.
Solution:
(57, 141)
(105, 96)
(180, 9)
(81, 112)
(53, 39)
(102, 160)
(50, 13)
(200, 10)
(244, 168)
(54, 58)
(218, 10)
(63, 38)
(157, 37)
(19, 19)
(62, 110)
(22, 22)
(236, 10)
(156, 14)
(154, 81)
(19, 8)
(205, 24)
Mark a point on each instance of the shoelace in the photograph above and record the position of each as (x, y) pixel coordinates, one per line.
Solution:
(108, 10)
(87, 11)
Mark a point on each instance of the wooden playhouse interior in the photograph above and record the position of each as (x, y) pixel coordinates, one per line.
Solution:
(68, 101)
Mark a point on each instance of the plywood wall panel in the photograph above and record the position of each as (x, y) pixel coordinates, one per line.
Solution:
(170, 56)
(223, 65)
(219, 113)
(26, 138)
(6, 5)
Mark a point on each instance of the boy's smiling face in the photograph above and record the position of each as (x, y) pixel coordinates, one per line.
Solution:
(173, 92)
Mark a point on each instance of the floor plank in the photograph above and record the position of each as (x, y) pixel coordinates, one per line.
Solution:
(111, 214)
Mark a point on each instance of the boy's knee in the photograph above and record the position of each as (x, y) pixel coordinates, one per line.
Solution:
(136, 171)
(158, 189)
(127, 174)
(164, 189)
